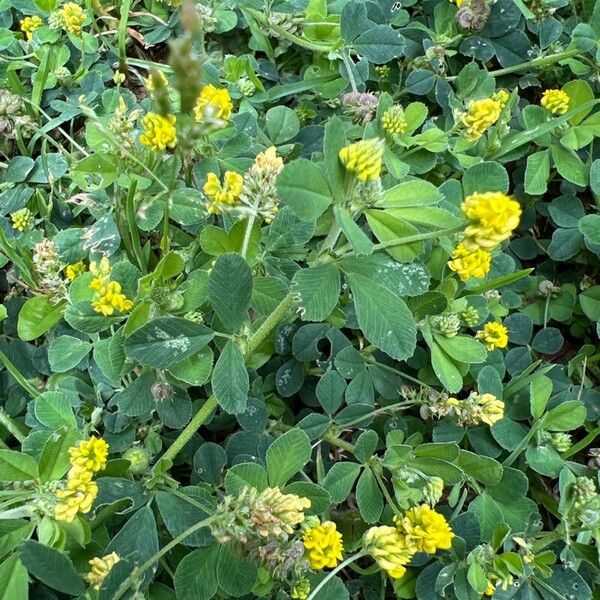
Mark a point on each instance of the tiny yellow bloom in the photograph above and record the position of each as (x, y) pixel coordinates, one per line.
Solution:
(493, 335)
(323, 544)
(110, 298)
(90, 455)
(159, 131)
(29, 25)
(213, 105)
(480, 116)
(490, 409)
(22, 219)
(393, 120)
(424, 530)
(555, 101)
(72, 16)
(388, 548)
(470, 263)
(101, 268)
(74, 270)
(78, 495)
(100, 569)
(502, 97)
(492, 218)
(490, 589)
(363, 159)
(222, 195)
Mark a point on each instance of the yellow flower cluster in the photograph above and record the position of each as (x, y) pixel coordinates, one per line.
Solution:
(393, 120)
(493, 335)
(80, 490)
(323, 544)
(480, 116)
(420, 529)
(100, 569)
(159, 131)
(276, 513)
(363, 159)
(72, 17)
(213, 105)
(22, 219)
(470, 263)
(492, 218)
(476, 409)
(75, 270)
(501, 97)
(555, 101)
(223, 195)
(29, 25)
(109, 296)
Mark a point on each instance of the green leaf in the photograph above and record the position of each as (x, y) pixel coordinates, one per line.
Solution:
(416, 192)
(357, 238)
(54, 460)
(16, 466)
(245, 475)
(286, 456)
(540, 390)
(485, 177)
(81, 316)
(570, 166)
(566, 416)
(369, 497)
(167, 340)
(462, 348)
(482, 468)
(52, 568)
(303, 187)
(13, 579)
(340, 479)
(388, 228)
(230, 290)
(236, 574)
(230, 381)
(319, 497)
(319, 289)
(196, 574)
(282, 124)
(37, 316)
(383, 317)
(537, 173)
(590, 227)
(66, 352)
(380, 44)
(53, 410)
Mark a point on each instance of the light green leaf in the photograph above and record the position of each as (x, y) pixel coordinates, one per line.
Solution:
(319, 289)
(230, 381)
(286, 456)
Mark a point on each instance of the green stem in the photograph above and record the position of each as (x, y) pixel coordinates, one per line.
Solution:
(581, 445)
(333, 573)
(12, 426)
(139, 571)
(133, 228)
(17, 376)
(333, 439)
(385, 492)
(248, 233)
(269, 324)
(523, 443)
(125, 7)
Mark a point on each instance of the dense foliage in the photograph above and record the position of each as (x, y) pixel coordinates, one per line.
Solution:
(300, 299)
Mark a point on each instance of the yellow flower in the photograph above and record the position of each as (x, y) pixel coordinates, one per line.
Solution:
(490, 409)
(492, 218)
(74, 270)
(78, 495)
(555, 101)
(90, 454)
(490, 589)
(458, 2)
(268, 161)
(159, 131)
(29, 25)
(226, 194)
(388, 548)
(72, 16)
(480, 116)
(22, 219)
(424, 530)
(493, 335)
(323, 544)
(109, 298)
(470, 263)
(100, 569)
(502, 97)
(363, 159)
(275, 513)
(393, 120)
(213, 105)
(102, 268)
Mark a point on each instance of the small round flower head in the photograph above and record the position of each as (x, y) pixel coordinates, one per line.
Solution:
(159, 131)
(29, 25)
(489, 409)
(90, 455)
(77, 496)
(323, 544)
(424, 530)
(393, 120)
(110, 298)
(561, 441)
(22, 219)
(492, 218)
(72, 17)
(493, 335)
(363, 159)
(470, 263)
(470, 316)
(300, 589)
(213, 105)
(75, 270)
(433, 490)
(480, 116)
(100, 568)
(388, 548)
(555, 101)
(224, 194)
(139, 459)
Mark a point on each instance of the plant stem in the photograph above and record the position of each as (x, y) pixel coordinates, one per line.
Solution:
(269, 324)
(584, 443)
(17, 376)
(133, 228)
(248, 233)
(125, 7)
(139, 571)
(333, 439)
(335, 571)
(12, 426)
(523, 443)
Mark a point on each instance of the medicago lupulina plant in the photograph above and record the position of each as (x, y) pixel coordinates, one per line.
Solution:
(299, 299)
